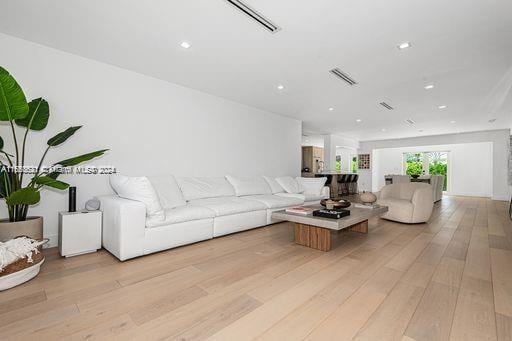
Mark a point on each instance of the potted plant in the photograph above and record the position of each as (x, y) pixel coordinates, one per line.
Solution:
(20, 186)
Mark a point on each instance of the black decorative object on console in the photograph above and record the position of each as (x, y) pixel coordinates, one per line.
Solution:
(72, 199)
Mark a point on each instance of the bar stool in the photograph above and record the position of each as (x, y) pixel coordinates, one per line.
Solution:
(343, 184)
(353, 184)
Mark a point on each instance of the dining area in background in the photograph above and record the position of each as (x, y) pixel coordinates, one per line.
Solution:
(436, 181)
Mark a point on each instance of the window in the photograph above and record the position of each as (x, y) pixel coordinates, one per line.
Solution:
(338, 163)
(427, 163)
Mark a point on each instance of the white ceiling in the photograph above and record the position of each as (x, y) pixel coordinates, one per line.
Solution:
(463, 47)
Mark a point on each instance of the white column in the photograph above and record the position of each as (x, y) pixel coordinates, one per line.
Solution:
(329, 153)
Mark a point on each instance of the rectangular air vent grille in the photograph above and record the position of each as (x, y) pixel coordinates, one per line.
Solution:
(410, 121)
(254, 15)
(387, 106)
(340, 74)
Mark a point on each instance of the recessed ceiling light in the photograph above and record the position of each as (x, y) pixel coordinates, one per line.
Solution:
(185, 45)
(331, 109)
(280, 87)
(404, 45)
(307, 140)
(452, 122)
(383, 129)
(492, 120)
(358, 120)
(442, 107)
(430, 86)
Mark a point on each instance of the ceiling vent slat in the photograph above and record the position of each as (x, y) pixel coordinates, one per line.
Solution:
(343, 76)
(254, 15)
(410, 121)
(387, 106)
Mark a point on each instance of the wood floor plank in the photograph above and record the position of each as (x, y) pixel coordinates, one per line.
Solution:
(433, 317)
(503, 327)
(357, 309)
(502, 280)
(262, 318)
(474, 316)
(392, 317)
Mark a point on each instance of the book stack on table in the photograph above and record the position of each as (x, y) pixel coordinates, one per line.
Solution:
(324, 213)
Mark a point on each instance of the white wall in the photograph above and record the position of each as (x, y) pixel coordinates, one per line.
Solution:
(469, 166)
(150, 126)
(500, 150)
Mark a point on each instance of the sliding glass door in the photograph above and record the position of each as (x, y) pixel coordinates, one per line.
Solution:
(427, 163)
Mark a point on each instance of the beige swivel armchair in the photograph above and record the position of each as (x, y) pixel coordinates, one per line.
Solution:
(408, 202)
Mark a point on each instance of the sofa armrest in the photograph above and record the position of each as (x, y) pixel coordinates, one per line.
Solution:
(326, 192)
(124, 224)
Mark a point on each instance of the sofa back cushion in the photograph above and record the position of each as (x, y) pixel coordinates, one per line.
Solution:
(139, 189)
(312, 186)
(275, 187)
(168, 191)
(205, 187)
(290, 185)
(249, 185)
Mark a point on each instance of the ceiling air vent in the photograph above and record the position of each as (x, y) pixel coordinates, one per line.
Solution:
(254, 15)
(340, 74)
(410, 121)
(387, 106)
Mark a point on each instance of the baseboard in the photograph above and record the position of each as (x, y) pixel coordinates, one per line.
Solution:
(54, 241)
(501, 197)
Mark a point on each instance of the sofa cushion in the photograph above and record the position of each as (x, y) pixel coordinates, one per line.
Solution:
(275, 187)
(205, 187)
(168, 191)
(182, 214)
(275, 201)
(139, 189)
(249, 185)
(305, 197)
(228, 205)
(289, 184)
(312, 186)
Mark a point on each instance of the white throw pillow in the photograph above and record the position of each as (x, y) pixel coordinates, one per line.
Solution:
(249, 185)
(205, 187)
(275, 187)
(290, 185)
(168, 191)
(139, 189)
(312, 186)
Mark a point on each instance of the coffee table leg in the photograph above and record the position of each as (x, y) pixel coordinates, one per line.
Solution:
(313, 237)
(362, 227)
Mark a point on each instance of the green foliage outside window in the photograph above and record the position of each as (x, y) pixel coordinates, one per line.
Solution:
(338, 166)
(354, 164)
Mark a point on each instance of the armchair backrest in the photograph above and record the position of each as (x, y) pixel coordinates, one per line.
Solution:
(403, 190)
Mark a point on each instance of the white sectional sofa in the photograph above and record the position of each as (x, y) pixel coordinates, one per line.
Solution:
(151, 214)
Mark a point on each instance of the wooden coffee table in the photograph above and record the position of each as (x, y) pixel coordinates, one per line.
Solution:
(315, 232)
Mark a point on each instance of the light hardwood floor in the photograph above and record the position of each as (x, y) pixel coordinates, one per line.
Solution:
(448, 279)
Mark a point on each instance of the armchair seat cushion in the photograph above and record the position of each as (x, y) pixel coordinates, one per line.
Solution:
(182, 214)
(276, 201)
(229, 205)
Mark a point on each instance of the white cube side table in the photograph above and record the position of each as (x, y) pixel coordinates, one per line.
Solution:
(79, 232)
